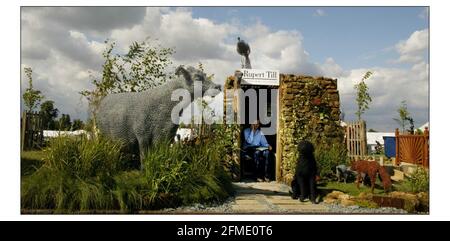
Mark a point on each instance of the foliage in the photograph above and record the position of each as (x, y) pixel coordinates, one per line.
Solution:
(419, 181)
(411, 125)
(310, 125)
(194, 172)
(404, 116)
(228, 148)
(32, 97)
(48, 114)
(379, 149)
(362, 95)
(30, 161)
(82, 157)
(77, 124)
(76, 175)
(350, 188)
(328, 158)
(366, 203)
(64, 123)
(81, 174)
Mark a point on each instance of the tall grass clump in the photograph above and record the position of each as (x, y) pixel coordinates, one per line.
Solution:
(77, 174)
(175, 175)
(81, 174)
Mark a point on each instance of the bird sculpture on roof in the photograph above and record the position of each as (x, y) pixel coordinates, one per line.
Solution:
(244, 50)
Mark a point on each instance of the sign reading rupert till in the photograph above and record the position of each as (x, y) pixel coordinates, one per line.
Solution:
(260, 77)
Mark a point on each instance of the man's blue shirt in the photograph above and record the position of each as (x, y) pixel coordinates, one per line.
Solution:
(254, 138)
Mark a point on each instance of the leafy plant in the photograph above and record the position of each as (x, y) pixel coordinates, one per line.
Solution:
(48, 114)
(31, 97)
(404, 116)
(363, 98)
(379, 149)
(328, 158)
(419, 181)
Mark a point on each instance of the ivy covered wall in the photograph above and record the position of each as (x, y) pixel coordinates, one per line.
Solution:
(309, 110)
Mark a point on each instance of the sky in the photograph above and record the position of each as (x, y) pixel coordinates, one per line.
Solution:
(63, 46)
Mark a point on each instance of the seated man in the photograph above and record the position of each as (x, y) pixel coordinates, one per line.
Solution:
(256, 142)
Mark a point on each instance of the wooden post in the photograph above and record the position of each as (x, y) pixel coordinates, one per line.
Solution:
(425, 151)
(236, 110)
(279, 147)
(397, 143)
(364, 138)
(22, 134)
(347, 139)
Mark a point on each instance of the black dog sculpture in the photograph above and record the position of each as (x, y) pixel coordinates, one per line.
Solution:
(304, 183)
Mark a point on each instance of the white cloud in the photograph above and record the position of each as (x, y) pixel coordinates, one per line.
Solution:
(424, 13)
(319, 13)
(63, 54)
(331, 69)
(64, 45)
(389, 86)
(414, 49)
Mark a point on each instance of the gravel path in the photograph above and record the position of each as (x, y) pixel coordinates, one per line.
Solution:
(339, 209)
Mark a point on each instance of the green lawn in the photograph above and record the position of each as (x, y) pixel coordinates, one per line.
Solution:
(30, 161)
(349, 188)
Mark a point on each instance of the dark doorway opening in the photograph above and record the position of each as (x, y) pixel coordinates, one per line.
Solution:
(248, 165)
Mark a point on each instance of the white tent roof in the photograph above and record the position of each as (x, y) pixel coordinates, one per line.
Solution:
(373, 137)
(50, 133)
(422, 128)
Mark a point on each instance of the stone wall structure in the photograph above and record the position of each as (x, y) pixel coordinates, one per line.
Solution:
(310, 110)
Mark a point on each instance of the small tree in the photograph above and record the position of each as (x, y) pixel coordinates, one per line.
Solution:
(31, 97)
(64, 122)
(48, 114)
(77, 124)
(403, 116)
(362, 95)
(411, 124)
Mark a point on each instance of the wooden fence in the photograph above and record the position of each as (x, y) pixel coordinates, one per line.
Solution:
(356, 139)
(32, 131)
(412, 148)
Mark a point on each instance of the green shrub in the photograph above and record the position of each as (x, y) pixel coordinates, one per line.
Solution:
(419, 181)
(328, 158)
